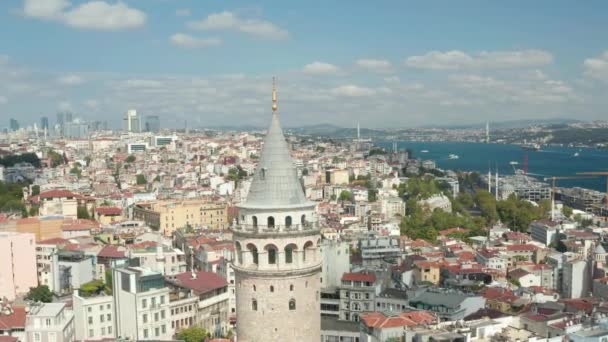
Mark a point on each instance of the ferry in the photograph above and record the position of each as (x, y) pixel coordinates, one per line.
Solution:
(531, 147)
(576, 154)
(453, 156)
(424, 151)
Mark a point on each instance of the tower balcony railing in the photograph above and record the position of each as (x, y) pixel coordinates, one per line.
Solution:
(250, 228)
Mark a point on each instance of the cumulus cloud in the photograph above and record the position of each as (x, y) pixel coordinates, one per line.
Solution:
(92, 15)
(183, 12)
(141, 83)
(351, 90)
(70, 79)
(455, 59)
(597, 67)
(228, 21)
(318, 68)
(376, 65)
(188, 41)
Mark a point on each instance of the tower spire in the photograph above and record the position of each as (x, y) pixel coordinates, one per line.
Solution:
(274, 95)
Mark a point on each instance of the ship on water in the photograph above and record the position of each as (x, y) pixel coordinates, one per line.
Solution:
(531, 147)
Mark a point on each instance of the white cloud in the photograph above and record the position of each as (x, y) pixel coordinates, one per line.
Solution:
(92, 15)
(226, 20)
(45, 9)
(3, 100)
(376, 65)
(455, 59)
(597, 67)
(183, 12)
(91, 103)
(318, 68)
(70, 79)
(352, 90)
(188, 41)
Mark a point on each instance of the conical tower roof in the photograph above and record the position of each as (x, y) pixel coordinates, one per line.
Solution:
(275, 184)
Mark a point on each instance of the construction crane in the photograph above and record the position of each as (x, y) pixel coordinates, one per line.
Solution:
(553, 179)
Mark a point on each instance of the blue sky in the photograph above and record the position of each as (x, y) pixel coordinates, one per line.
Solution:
(384, 64)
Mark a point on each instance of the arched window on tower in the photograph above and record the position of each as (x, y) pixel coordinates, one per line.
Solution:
(292, 304)
(303, 220)
(291, 287)
(255, 221)
(271, 250)
(271, 288)
(308, 251)
(289, 249)
(270, 222)
(254, 305)
(288, 221)
(253, 250)
(239, 252)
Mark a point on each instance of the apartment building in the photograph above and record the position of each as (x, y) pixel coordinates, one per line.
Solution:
(17, 264)
(49, 322)
(93, 316)
(168, 216)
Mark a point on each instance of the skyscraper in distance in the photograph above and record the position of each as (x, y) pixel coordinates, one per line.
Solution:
(132, 122)
(276, 239)
(13, 124)
(44, 123)
(152, 123)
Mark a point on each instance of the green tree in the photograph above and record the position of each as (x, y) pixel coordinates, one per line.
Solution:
(92, 288)
(567, 211)
(82, 212)
(40, 293)
(141, 179)
(372, 195)
(131, 158)
(487, 205)
(56, 158)
(35, 190)
(345, 196)
(76, 171)
(192, 334)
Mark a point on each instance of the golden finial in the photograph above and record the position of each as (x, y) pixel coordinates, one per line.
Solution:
(274, 95)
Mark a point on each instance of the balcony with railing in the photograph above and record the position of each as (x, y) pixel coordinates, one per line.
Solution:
(275, 229)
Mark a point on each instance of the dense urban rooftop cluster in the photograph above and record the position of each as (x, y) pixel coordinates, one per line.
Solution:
(129, 236)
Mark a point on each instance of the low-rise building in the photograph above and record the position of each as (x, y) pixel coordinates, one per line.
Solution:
(357, 295)
(48, 322)
(93, 316)
(17, 264)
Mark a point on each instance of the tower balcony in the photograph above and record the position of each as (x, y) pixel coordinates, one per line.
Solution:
(306, 228)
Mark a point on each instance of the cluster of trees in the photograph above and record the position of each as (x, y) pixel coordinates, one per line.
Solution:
(236, 174)
(11, 198)
(140, 179)
(13, 159)
(472, 211)
(92, 288)
(41, 293)
(56, 158)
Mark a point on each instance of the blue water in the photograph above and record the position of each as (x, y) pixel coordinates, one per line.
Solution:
(550, 161)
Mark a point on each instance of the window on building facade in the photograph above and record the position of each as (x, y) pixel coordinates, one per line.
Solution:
(292, 304)
(288, 221)
(254, 305)
(270, 222)
(271, 288)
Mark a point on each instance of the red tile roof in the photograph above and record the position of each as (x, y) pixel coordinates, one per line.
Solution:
(53, 241)
(521, 248)
(371, 278)
(379, 320)
(111, 252)
(57, 193)
(204, 281)
(109, 211)
(16, 320)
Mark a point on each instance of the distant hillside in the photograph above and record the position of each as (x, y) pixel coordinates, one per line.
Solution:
(509, 124)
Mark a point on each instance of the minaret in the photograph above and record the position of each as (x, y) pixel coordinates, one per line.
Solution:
(496, 182)
(487, 132)
(276, 238)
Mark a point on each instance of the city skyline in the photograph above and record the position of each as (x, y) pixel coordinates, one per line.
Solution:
(397, 65)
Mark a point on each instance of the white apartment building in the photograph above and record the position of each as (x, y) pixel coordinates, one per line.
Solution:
(49, 322)
(336, 262)
(47, 264)
(141, 304)
(93, 317)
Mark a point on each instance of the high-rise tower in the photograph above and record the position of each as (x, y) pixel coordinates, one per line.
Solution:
(276, 239)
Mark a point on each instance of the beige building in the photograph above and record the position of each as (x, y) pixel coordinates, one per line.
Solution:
(337, 177)
(58, 203)
(167, 216)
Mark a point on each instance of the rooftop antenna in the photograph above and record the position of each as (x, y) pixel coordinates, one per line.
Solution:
(275, 106)
(497, 181)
